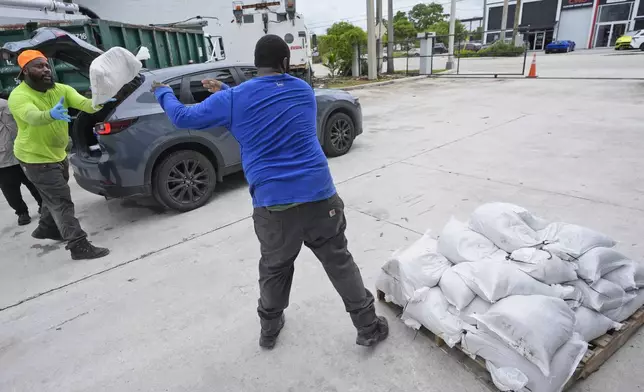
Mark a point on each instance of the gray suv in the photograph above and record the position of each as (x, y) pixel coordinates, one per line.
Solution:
(131, 148)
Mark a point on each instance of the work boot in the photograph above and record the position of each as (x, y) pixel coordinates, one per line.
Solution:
(47, 234)
(24, 219)
(268, 336)
(84, 250)
(374, 334)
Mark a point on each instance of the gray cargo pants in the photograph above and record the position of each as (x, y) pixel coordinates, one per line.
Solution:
(57, 207)
(320, 226)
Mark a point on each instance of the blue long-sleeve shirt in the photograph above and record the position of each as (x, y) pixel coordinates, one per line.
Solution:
(274, 120)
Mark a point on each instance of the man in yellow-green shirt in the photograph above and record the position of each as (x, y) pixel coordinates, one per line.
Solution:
(39, 106)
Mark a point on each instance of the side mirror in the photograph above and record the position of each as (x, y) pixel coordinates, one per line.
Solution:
(314, 40)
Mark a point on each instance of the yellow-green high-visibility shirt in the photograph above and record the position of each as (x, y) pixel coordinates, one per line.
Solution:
(41, 139)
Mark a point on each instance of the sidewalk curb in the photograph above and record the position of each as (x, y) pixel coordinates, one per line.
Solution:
(386, 82)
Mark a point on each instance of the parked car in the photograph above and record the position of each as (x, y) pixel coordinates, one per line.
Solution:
(130, 147)
(413, 52)
(440, 48)
(631, 40)
(560, 47)
(473, 46)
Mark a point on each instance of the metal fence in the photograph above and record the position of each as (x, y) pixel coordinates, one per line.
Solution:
(471, 57)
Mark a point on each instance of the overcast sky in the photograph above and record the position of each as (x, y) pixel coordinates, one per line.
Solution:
(320, 14)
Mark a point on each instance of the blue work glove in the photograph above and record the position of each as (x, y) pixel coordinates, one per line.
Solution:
(59, 112)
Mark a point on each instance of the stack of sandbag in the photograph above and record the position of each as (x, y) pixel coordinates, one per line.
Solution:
(521, 292)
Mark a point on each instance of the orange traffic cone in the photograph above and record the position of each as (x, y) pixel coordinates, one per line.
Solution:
(533, 67)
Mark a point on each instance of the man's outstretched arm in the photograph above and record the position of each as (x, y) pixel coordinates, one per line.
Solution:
(214, 111)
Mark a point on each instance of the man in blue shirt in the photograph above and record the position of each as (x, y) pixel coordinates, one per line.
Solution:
(273, 117)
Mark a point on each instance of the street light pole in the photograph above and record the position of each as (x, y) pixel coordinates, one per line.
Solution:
(371, 41)
(504, 20)
(390, 37)
(452, 31)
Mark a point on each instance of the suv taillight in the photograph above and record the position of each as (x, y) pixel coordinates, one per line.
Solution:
(110, 128)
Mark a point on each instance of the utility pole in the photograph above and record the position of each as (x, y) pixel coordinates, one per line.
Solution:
(452, 31)
(379, 38)
(371, 41)
(517, 14)
(504, 20)
(390, 37)
(484, 21)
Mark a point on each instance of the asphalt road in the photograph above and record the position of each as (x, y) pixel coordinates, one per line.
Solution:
(173, 307)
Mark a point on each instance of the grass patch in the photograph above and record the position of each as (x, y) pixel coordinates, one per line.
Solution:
(350, 82)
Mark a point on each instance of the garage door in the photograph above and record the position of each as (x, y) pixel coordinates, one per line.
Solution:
(574, 26)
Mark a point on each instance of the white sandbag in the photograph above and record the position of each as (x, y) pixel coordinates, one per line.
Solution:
(508, 226)
(535, 326)
(110, 71)
(417, 266)
(477, 306)
(563, 365)
(544, 266)
(601, 295)
(591, 325)
(392, 288)
(455, 290)
(494, 281)
(639, 273)
(461, 244)
(623, 313)
(623, 276)
(570, 241)
(598, 262)
(506, 378)
(428, 308)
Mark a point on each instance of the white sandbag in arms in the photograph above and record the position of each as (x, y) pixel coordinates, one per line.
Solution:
(508, 226)
(428, 308)
(417, 266)
(506, 378)
(535, 326)
(455, 290)
(623, 313)
(110, 71)
(570, 241)
(601, 295)
(477, 306)
(494, 281)
(563, 364)
(544, 266)
(623, 276)
(591, 325)
(461, 244)
(598, 262)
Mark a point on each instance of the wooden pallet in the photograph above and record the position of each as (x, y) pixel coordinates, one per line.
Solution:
(599, 350)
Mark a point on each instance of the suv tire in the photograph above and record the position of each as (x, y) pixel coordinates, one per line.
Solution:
(184, 180)
(339, 133)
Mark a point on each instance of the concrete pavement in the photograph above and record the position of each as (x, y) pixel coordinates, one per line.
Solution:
(173, 307)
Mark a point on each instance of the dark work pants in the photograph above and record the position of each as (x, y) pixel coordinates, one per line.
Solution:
(11, 178)
(320, 226)
(58, 209)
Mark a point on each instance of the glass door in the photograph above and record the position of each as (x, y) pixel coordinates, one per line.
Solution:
(618, 30)
(602, 38)
(539, 40)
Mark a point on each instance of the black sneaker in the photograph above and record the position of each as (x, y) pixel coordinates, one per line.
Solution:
(268, 338)
(84, 250)
(47, 234)
(24, 219)
(376, 334)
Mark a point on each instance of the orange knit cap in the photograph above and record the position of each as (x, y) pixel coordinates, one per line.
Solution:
(28, 55)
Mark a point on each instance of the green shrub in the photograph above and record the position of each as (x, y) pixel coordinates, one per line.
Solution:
(498, 49)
